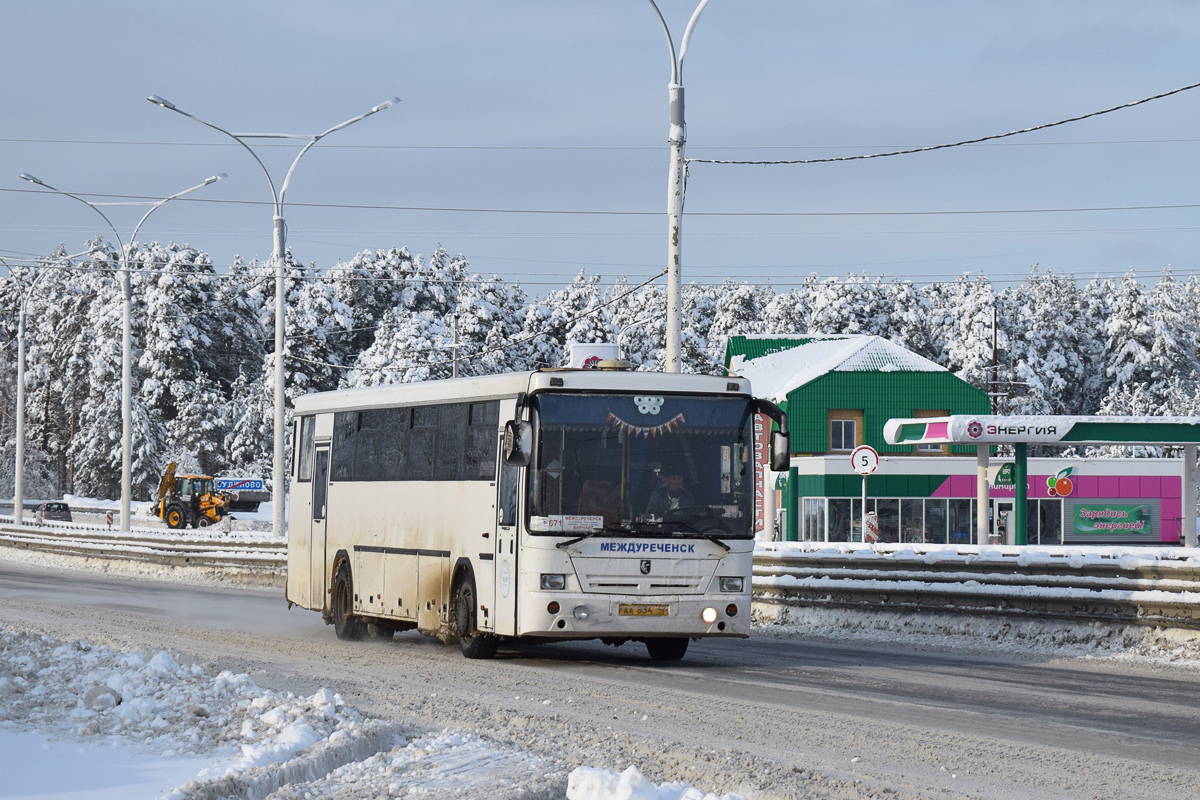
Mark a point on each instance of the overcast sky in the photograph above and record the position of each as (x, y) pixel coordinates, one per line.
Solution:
(514, 109)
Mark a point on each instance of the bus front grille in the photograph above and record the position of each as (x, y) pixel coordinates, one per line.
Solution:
(606, 585)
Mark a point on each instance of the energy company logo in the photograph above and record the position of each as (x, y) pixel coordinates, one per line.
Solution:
(975, 429)
(1060, 485)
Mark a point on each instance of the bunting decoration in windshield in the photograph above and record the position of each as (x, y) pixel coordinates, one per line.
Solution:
(647, 431)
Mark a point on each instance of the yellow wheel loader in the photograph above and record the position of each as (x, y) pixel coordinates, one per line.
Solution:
(184, 499)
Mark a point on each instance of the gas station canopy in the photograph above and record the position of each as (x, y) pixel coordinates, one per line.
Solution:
(1022, 431)
(1094, 430)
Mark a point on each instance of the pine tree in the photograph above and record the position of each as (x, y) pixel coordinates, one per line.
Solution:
(738, 314)
(1130, 336)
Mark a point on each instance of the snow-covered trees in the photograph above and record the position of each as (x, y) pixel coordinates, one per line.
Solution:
(204, 366)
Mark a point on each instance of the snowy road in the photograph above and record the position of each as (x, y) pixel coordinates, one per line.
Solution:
(770, 717)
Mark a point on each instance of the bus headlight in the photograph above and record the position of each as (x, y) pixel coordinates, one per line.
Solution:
(581, 613)
(730, 585)
(709, 615)
(554, 582)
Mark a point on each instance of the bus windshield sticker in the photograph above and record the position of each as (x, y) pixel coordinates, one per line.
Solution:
(566, 523)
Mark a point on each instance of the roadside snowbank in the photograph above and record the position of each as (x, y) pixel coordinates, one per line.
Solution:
(150, 701)
(256, 742)
(984, 634)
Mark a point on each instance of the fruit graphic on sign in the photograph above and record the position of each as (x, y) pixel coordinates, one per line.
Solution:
(1060, 485)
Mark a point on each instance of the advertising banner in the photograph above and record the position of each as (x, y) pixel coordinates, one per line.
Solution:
(762, 443)
(1112, 518)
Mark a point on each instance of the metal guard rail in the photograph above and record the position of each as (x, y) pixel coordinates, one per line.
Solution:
(213, 551)
(1147, 586)
(1153, 586)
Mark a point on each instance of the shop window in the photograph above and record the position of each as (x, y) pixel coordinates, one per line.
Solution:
(912, 521)
(1043, 523)
(935, 521)
(814, 519)
(839, 520)
(962, 521)
(889, 519)
(845, 430)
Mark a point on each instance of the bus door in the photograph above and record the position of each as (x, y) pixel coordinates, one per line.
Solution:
(316, 540)
(504, 606)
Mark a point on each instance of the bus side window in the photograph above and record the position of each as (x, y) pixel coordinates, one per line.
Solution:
(345, 430)
(507, 512)
(451, 442)
(368, 444)
(394, 459)
(482, 434)
(308, 426)
(420, 443)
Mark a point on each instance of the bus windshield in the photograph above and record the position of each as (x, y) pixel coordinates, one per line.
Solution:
(661, 464)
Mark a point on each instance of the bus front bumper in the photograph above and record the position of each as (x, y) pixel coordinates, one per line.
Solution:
(576, 616)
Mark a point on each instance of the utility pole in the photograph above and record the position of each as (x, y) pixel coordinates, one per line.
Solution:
(676, 180)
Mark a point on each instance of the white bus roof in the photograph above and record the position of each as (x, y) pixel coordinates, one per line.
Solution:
(509, 384)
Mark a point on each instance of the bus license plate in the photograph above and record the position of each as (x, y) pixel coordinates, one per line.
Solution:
(631, 610)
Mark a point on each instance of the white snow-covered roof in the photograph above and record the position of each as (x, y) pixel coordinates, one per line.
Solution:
(775, 374)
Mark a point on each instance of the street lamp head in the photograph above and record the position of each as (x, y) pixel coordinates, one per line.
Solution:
(158, 101)
(215, 178)
(25, 176)
(385, 104)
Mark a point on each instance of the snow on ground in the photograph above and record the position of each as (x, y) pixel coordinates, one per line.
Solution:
(81, 720)
(90, 513)
(84, 720)
(982, 633)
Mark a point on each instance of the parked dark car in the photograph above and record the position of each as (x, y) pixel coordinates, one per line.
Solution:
(55, 511)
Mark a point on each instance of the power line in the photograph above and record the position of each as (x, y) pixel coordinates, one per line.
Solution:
(569, 148)
(601, 213)
(962, 143)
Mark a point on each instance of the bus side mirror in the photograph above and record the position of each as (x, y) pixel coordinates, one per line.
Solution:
(781, 457)
(518, 443)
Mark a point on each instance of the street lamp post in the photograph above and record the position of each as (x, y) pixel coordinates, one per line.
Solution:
(277, 255)
(19, 470)
(126, 338)
(675, 185)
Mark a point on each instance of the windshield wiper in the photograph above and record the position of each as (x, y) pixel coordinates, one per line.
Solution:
(692, 533)
(607, 529)
(689, 533)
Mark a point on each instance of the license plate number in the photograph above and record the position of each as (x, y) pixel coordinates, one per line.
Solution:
(632, 610)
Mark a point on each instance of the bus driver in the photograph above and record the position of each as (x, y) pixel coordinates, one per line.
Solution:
(670, 495)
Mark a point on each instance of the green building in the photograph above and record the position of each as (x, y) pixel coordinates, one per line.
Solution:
(838, 392)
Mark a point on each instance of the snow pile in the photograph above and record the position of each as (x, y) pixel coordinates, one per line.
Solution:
(449, 764)
(263, 742)
(150, 701)
(586, 783)
(981, 633)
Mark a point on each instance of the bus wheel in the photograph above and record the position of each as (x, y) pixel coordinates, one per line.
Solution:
(473, 643)
(347, 626)
(666, 649)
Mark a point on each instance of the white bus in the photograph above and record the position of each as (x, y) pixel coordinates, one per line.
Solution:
(536, 506)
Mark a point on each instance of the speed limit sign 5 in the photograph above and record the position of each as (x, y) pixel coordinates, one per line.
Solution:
(864, 459)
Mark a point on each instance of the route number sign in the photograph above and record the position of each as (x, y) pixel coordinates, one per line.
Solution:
(864, 459)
